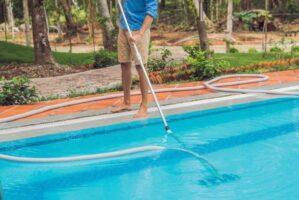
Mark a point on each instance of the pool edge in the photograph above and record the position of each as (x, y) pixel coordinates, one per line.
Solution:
(33, 128)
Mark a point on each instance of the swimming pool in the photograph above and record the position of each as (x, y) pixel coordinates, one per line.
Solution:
(256, 142)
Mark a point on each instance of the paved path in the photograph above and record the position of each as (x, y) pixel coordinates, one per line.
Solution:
(83, 81)
(89, 81)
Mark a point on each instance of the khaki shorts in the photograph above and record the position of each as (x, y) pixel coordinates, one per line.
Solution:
(126, 51)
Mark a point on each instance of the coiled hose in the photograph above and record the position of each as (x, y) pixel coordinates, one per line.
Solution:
(209, 84)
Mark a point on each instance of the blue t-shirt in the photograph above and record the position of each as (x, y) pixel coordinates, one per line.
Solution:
(136, 11)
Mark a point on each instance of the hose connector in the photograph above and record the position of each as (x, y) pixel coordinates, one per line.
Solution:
(168, 130)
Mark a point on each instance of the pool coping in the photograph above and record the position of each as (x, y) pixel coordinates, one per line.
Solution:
(91, 119)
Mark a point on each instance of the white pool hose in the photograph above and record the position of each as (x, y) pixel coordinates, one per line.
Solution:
(81, 158)
(209, 84)
(125, 152)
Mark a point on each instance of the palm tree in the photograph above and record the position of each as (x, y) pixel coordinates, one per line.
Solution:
(91, 21)
(70, 22)
(266, 26)
(108, 28)
(26, 20)
(196, 4)
(10, 18)
(42, 49)
(229, 30)
(57, 18)
(201, 27)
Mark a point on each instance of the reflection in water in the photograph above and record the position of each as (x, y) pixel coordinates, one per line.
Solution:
(214, 178)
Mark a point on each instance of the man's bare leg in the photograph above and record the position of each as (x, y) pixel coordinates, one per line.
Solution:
(142, 112)
(126, 76)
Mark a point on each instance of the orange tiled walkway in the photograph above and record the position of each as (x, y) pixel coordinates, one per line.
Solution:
(6, 111)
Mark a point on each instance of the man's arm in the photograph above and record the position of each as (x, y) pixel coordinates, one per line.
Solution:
(146, 24)
(151, 14)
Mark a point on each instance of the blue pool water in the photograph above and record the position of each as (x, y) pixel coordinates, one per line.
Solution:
(256, 143)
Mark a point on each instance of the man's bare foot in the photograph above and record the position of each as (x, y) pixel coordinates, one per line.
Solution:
(122, 108)
(118, 103)
(142, 112)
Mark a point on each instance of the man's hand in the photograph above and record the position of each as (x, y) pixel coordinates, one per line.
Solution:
(136, 36)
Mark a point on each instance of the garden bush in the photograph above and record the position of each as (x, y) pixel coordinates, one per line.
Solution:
(276, 50)
(203, 64)
(252, 50)
(192, 50)
(205, 68)
(158, 64)
(295, 49)
(105, 58)
(233, 50)
(17, 92)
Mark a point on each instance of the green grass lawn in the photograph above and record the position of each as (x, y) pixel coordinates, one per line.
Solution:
(12, 53)
(241, 59)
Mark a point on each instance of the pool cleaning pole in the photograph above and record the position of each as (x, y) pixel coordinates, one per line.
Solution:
(143, 69)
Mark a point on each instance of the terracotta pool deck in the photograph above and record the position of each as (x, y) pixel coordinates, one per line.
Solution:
(7, 111)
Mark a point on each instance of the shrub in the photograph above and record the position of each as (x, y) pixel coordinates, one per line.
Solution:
(205, 68)
(105, 58)
(17, 92)
(276, 50)
(160, 63)
(191, 50)
(233, 50)
(252, 50)
(295, 49)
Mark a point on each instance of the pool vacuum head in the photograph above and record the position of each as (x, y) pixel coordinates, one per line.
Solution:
(217, 180)
(168, 130)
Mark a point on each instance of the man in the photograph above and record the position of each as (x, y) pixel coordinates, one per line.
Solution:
(140, 15)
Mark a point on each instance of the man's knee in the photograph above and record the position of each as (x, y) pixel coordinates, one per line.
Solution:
(138, 67)
(125, 66)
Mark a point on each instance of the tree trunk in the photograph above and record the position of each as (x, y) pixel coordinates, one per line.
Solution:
(245, 4)
(26, 20)
(42, 49)
(203, 37)
(9, 13)
(91, 21)
(212, 5)
(229, 31)
(220, 8)
(109, 38)
(217, 10)
(208, 22)
(201, 27)
(163, 4)
(111, 7)
(57, 18)
(10, 17)
(5, 21)
(266, 27)
(70, 23)
(185, 10)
